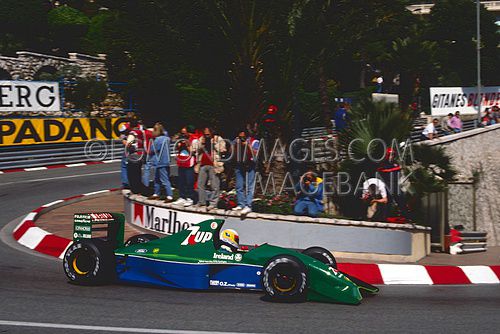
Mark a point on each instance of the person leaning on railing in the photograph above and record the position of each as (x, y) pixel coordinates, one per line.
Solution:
(445, 124)
(430, 131)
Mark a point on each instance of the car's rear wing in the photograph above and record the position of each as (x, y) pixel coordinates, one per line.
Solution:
(84, 224)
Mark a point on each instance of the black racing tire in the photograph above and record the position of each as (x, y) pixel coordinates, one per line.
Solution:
(140, 239)
(90, 262)
(321, 254)
(285, 279)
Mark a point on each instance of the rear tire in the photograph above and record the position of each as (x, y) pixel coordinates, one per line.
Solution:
(90, 262)
(321, 254)
(285, 279)
(140, 239)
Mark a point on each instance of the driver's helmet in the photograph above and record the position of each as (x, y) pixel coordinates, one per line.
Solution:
(230, 240)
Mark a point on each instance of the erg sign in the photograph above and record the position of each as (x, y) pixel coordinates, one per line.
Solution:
(29, 96)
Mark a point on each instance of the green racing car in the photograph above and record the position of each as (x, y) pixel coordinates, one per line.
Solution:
(199, 258)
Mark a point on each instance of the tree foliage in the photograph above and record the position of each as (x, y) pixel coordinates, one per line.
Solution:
(252, 53)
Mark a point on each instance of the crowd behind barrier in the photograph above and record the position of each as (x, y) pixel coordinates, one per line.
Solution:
(198, 159)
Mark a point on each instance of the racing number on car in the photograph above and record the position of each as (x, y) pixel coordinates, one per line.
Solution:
(195, 236)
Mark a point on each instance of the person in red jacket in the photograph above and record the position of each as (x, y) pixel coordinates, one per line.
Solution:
(390, 171)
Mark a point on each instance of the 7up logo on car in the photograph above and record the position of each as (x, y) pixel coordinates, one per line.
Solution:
(196, 236)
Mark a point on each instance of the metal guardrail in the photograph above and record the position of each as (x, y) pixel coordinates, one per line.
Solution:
(27, 156)
(319, 134)
(417, 130)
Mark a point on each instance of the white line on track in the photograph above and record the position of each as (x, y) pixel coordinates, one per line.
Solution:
(32, 169)
(77, 164)
(105, 328)
(60, 177)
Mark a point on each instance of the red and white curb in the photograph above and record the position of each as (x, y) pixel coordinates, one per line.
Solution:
(79, 164)
(33, 237)
(419, 274)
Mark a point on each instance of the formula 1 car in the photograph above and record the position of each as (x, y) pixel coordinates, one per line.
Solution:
(193, 259)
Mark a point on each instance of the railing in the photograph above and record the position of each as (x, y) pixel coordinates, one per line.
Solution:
(27, 156)
(318, 135)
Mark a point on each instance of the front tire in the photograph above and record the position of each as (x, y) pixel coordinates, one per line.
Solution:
(321, 254)
(285, 279)
(90, 262)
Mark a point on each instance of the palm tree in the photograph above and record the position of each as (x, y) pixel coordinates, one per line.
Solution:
(372, 125)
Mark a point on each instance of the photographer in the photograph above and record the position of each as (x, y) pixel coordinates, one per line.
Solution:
(309, 195)
(375, 196)
(185, 164)
(244, 149)
(209, 166)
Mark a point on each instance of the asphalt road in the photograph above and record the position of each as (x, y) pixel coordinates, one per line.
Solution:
(36, 298)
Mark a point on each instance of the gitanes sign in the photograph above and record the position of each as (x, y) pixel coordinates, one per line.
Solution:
(445, 100)
(29, 96)
(163, 220)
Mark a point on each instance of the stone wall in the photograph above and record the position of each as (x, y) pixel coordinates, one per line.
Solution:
(476, 157)
(27, 64)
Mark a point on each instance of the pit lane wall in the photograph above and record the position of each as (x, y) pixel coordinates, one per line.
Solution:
(345, 238)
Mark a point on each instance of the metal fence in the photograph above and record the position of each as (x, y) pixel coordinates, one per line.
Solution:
(27, 156)
(318, 136)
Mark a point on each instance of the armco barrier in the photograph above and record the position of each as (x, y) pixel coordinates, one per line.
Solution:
(27, 156)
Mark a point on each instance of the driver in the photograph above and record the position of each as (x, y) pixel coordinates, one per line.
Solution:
(230, 241)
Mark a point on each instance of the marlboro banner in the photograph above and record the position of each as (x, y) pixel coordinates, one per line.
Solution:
(162, 220)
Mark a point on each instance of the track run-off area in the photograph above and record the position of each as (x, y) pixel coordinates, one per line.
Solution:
(36, 297)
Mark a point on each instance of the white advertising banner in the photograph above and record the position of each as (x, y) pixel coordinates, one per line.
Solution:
(163, 220)
(445, 100)
(29, 96)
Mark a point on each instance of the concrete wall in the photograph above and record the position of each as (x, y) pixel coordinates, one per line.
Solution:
(475, 152)
(353, 239)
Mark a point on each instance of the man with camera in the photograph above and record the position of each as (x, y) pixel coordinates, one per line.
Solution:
(375, 196)
(244, 151)
(309, 195)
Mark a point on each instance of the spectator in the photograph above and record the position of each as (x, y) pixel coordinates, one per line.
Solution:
(209, 166)
(309, 195)
(380, 82)
(244, 153)
(124, 130)
(390, 171)
(375, 196)
(445, 124)
(148, 140)
(496, 114)
(487, 118)
(134, 146)
(160, 158)
(456, 123)
(340, 118)
(430, 131)
(185, 166)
